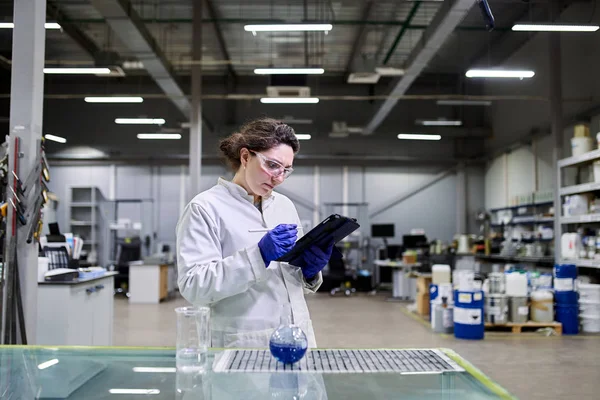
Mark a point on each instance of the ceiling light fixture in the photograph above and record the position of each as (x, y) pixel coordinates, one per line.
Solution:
(293, 121)
(289, 100)
(499, 73)
(155, 369)
(78, 71)
(288, 28)
(114, 99)
(418, 136)
(464, 102)
(554, 28)
(303, 136)
(134, 391)
(289, 71)
(47, 25)
(439, 122)
(140, 121)
(55, 138)
(48, 364)
(161, 136)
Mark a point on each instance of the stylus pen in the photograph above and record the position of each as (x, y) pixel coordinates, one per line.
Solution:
(259, 230)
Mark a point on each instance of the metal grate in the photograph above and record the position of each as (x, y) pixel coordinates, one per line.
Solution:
(418, 361)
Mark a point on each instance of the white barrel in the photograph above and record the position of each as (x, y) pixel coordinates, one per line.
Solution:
(516, 285)
(542, 306)
(590, 324)
(589, 309)
(589, 292)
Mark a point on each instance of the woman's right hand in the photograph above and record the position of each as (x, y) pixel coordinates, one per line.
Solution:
(277, 242)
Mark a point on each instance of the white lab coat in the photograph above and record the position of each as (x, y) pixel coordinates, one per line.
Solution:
(220, 265)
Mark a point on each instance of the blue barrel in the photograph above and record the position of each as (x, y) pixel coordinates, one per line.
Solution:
(433, 294)
(566, 298)
(564, 277)
(568, 316)
(468, 315)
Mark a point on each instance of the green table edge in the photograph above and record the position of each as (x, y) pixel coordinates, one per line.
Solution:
(477, 374)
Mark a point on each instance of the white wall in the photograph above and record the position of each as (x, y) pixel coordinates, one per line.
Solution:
(524, 170)
(433, 209)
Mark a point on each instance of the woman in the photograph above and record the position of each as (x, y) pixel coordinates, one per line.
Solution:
(224, 265)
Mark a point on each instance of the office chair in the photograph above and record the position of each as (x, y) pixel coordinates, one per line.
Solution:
(341, 279)
(128, 249)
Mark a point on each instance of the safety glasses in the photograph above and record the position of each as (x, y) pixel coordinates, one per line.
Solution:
(274, 168)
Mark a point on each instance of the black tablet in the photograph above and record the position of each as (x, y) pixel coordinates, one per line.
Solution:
(334, 227)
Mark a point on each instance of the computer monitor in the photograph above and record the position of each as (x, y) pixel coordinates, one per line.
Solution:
(414, 241)
(382, 230)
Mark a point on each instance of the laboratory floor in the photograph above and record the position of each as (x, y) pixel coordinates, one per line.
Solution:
(529, 366)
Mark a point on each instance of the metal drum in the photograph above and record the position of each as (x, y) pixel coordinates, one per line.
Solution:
(496, 309)
(519, 310)
(496, 283)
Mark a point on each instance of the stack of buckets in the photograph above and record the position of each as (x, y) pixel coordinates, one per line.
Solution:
(565, 295)
(468, 308)
(589, 307)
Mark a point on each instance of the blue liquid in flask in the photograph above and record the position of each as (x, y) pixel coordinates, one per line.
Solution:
(288, 344)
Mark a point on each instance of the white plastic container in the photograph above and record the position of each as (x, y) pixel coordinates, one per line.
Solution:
(589, 309)
(581, 145)
(542, 306)
(590, 324)
(589, 292)
(466, 280)
(440, 274)
(597, 171)
(516, 285)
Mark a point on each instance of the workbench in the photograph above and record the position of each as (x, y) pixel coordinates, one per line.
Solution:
(403, 287)
(101, 372)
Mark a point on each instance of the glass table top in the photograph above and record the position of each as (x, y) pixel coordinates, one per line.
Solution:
(30, 372)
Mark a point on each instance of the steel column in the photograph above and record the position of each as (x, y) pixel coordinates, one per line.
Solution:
(196, 113)
(26, 113)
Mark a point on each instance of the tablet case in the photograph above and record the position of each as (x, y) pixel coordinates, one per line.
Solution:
(334, 227)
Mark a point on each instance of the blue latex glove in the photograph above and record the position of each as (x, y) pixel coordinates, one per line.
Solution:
(314, 259)
(277, 242)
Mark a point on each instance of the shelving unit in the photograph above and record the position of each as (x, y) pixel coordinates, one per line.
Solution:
(534, 260)
(564, 222)
(87, 219)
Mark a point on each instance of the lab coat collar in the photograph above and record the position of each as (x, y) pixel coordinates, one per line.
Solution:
(239, 192)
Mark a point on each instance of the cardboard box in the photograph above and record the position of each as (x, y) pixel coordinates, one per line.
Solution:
(581, 131)
(423, 304)
(423, 282)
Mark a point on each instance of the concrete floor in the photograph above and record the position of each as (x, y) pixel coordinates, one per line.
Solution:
(530, 366)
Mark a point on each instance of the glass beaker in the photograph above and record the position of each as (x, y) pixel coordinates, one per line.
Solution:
(193, 337)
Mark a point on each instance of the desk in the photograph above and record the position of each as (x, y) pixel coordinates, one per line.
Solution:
(151, 283)
(403, 287)
(96, 373)
(78, 312)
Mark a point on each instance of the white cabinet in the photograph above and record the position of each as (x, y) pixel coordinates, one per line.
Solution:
(78, 313)
(151, 283)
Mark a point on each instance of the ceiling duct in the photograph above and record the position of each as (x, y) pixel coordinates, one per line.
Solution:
(283, 85)
(363, 72)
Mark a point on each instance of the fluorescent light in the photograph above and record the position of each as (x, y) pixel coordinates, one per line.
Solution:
(134, 391)
(464, 102)
(288, 27)
(55, 138)
(389, 71)
(163, 136)
(155, 369)
(498, 73)
(113, 99)
(277, 71)
(140, 121)
(293, 121)
(47, 25)
(287, 40)
(48, 364)
(439, 122)
(418, 136)
(554, 28)
(303, 136)
(78, 71)
(289, 100)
